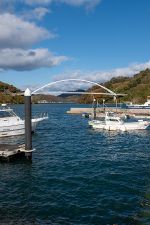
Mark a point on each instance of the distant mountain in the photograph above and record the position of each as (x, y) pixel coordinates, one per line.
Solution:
(71, 97)
(65, 95)
(46, 98)
(137, 88)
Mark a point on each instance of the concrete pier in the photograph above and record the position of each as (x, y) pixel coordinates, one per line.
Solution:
(99, 111)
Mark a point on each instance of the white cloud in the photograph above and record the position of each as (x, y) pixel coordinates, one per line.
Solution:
(98, 76)
(12, 5)
(37, 2)
(35, 14)
(16, 37)
(21, 60)
(89, 4)
(17, 33)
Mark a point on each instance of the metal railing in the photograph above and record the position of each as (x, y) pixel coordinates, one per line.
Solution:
(40, 115)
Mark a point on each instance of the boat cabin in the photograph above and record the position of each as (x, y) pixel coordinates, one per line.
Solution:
(6, 112)
(111, 116)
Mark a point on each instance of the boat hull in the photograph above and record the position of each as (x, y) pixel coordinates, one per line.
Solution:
(19, 129)
(140, 125)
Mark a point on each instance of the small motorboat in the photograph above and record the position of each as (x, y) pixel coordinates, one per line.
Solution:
(86, 115)
(11, 124)
(111, 121)
(146, 105)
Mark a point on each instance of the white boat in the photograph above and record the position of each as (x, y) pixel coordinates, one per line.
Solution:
(111, 121)
(11, 124)
(146, 105)
(86, 115)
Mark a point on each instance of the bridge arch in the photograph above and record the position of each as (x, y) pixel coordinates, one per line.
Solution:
(79, 80)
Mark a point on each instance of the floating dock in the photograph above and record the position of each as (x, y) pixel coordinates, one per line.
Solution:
(10, 151)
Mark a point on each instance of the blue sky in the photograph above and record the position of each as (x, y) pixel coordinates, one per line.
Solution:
(46, 40)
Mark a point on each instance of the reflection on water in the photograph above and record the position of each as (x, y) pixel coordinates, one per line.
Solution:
(144, 215)
(12, 140)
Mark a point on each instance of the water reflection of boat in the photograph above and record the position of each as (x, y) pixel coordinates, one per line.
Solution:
(111, 121)
(11, 124)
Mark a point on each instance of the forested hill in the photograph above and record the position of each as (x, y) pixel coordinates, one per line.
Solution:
(11, 94)
(137, 87)
(5, 88)
(8, 94)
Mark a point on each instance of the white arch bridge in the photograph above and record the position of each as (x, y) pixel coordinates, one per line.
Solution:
(28, 111)
(109, 92)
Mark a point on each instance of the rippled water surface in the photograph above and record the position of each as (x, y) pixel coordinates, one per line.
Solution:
(77, 176)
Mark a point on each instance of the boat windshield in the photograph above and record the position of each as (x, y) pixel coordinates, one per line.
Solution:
(5, 114)
(129, 119)
(111, 116)
(113, 119)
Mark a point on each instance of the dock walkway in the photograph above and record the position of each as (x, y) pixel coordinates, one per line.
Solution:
(145, 112)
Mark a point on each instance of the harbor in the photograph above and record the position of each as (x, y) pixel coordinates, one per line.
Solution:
(70, 161)
(27, 127)
(74, 112)
(76, 169)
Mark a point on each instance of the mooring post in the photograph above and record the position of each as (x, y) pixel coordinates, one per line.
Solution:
(94, 107)
(104, 105)
(28, 124)
(115, 100)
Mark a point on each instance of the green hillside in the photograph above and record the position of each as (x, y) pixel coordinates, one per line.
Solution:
(8, 94)
(4, 87)
(137, 88)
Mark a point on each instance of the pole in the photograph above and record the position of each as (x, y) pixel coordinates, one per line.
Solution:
(116, 104)
(94, 107)
(28, 125)
(115, 99)
(104, 105)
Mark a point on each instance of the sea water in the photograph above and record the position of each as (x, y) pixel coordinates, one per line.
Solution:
(78, 176)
